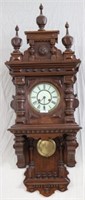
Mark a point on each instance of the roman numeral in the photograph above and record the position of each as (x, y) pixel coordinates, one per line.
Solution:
(39, 88)
(49, 87)
(43, 107)
(38, 107)
(34, 102)
(53, 102)
(54, 97)
(43, 86)
(34, 91)
(33, 97)
(53, 91)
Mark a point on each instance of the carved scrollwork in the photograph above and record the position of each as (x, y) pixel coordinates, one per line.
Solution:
(71, 145)
(19, 149)
(43, 50)
(48, 188)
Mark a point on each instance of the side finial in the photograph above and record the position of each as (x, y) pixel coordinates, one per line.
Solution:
(67, 40)
(41, 20)
(16, 41)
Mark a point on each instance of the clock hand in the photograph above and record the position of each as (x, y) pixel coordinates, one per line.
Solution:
(39, 100)
(44, 98)
(49, 100)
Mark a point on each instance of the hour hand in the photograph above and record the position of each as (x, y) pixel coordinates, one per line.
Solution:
(49, 100)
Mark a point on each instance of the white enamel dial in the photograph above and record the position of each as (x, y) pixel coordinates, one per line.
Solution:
(44, 97)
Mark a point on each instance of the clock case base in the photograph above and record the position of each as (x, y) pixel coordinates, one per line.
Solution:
(38, 175)
(46, 186)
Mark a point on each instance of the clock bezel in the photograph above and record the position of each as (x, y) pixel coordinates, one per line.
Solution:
(33, 83)
(56, 103)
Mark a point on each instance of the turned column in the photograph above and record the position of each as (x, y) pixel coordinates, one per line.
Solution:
(53, 50)
(31, 171)
(18, 103)
(62, 172)
(32, 50)
(69, 99)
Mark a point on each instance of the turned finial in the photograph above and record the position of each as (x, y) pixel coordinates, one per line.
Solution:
(16, 41)
(67, 40)
(41, 20)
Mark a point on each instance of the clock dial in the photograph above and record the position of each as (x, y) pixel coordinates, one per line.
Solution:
(44, 97)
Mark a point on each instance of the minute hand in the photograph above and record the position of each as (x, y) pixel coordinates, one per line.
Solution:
(39, 100)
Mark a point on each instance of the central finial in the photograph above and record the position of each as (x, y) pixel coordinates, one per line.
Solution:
(41, 19)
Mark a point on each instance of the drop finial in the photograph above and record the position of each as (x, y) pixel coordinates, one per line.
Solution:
(41, 20)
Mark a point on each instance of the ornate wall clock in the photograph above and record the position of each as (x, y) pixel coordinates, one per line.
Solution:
(45, 128)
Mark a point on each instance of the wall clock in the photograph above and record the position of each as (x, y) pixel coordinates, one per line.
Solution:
(45, 128)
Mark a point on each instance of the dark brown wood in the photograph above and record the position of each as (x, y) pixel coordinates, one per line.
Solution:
(43, 62)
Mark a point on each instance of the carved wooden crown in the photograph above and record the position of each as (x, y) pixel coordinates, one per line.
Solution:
(42, 45)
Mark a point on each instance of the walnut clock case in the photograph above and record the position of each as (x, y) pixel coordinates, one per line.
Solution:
(45, 128)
